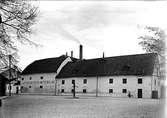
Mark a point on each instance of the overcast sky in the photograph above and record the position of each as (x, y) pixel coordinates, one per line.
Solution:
(110, 27)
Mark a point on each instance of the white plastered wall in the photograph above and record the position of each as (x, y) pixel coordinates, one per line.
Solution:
(104, 86)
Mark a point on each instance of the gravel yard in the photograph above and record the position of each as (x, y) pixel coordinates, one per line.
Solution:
(29, 106)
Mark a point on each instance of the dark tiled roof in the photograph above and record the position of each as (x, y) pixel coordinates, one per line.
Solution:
(44, 65)
(14, 73)
(140, 64)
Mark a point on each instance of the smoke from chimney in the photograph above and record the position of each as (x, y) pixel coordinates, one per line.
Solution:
(80, 52)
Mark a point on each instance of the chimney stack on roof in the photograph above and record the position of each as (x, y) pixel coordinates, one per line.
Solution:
(103, 55)
(80, 52)
(71, 53)
(66, 53)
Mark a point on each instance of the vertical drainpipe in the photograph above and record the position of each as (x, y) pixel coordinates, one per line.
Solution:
(10, 76)
(151, 87)
(55, 86)
(97, 87)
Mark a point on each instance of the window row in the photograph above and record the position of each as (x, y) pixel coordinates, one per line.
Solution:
(124, 81)
(73, 81)
(31, 86)
(39, 82)
(30, 78)
(123, 91)
(72, 90)
(85, 91)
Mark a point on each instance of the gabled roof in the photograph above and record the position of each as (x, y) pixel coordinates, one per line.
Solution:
(139, 64)
(48, 65)
(14, 73)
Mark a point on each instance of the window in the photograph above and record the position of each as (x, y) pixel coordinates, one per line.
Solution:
(30, 78)
(110, 81)
(124, 91)
(41, 77)
(110, 90)
(84, 90)
(22, 78)
(73, 81)
(63, 81)
(155, 82)
(72, 90)
(29, 86)
(85, 81)
(62, 90)
(41, 87)
(140, 80)
(124, 80)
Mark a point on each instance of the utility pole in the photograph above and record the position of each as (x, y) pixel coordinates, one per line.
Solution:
(10, 56)
(17, 86)
(97, 87)
(55, 86)
(74, 89)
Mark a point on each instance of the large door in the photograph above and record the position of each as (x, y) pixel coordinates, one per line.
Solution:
(140, 93)
(2, 87)
(154, 94)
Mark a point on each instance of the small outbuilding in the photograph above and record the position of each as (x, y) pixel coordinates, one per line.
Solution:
(3, 81)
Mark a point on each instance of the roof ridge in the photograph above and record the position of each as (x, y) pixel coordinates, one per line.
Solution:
(49, 58)
(117, 56)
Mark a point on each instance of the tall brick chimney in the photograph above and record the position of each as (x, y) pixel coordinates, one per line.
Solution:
(80, 52)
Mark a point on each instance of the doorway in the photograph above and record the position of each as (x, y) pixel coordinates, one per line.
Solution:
(140, 94)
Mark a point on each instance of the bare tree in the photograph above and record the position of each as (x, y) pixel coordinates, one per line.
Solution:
(16, 20)
(154, 41)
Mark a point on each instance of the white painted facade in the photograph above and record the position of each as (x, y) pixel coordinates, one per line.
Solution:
(102, 85)
(41, 83)
(38, 83)
(47, 83)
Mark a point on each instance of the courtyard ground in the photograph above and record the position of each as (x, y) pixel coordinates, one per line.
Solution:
(33, 106)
